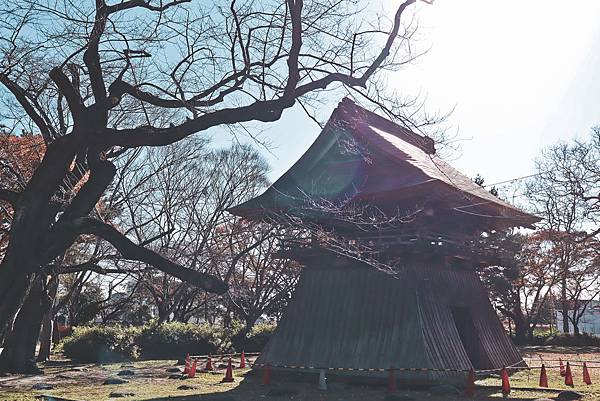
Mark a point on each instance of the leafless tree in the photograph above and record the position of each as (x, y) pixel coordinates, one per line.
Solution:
(579, 165)
(98, 79)
(563, 192)
(178, 196)
(261, 282)
(583, 280)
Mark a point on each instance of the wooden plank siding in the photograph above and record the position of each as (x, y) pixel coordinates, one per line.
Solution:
(354, 316)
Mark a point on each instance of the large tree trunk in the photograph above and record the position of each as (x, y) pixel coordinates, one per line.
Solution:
(521, 327)
(18, 267)
(164, 313)
(32, 217)
(14, 287)
(575, 322)
(18, 355)
(48, 321)
(21, 262)
(515, 313)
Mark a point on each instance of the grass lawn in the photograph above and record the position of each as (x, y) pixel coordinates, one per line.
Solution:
(150, 382)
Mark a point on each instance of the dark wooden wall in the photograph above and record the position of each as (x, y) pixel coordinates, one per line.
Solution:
(355, 316)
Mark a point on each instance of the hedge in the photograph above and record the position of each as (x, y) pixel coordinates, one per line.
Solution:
(101, 344)
(165, 341)
(254, 341)
(175, 340)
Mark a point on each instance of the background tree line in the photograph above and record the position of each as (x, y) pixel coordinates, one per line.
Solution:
(556, 267)
(174, 200)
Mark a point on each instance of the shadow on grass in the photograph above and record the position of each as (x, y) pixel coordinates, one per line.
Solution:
(250, 388)
(553, 349)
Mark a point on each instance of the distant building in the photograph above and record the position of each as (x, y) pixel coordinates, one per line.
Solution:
(588, 323)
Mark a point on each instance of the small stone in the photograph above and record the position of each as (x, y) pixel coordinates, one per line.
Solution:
(175, 376)
(127, 366)
(118, 394)
(174, 370)
(42, 386)
(568, 395)
(115, 381)
(126, 373)
(186, 387)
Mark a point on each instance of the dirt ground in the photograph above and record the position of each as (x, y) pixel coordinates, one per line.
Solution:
(150, 382)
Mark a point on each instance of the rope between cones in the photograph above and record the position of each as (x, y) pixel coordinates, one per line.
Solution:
(406, 369)
(191, 366)
(513, 367)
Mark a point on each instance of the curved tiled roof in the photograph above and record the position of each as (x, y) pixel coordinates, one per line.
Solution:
(362, 156)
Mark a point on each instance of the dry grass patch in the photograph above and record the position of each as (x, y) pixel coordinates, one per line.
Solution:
(151, 383)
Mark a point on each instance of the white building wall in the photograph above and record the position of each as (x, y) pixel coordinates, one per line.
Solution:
(589, 322)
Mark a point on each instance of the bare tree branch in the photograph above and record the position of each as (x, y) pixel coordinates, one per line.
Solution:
(131, 251)
(124, 5)
(21, 96)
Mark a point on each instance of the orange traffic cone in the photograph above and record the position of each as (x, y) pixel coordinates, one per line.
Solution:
(543, 377)
(243, 361)
(186, 369)
(392, 381)
(267, 376)
(568, 376)
(470, 386)
(562, 367)
(192, 372)
(586, 375)
(208, 364)
(505, 382)
(228, 373)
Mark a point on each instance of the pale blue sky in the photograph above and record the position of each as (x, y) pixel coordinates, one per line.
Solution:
(522, 75)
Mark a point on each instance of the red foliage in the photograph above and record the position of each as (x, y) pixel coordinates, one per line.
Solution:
(19, 157)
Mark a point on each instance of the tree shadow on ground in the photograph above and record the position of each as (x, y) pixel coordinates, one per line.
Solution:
(250, 388)
(533, 350)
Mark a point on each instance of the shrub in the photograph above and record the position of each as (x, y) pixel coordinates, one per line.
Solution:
(561, 339)
(101, 344)
(175, 340)
(259, 336)
(254, 341)
(165, 341)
